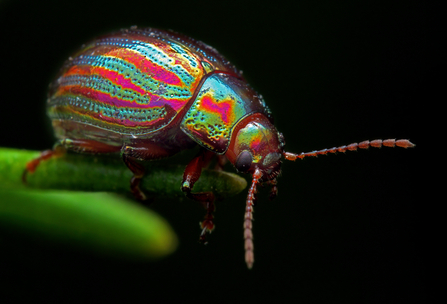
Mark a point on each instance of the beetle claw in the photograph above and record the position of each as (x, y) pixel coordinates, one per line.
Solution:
(207, 227)
(202, 238)
(203, 234)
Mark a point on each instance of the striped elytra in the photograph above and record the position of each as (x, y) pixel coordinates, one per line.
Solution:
(142, 83)
(146, 94)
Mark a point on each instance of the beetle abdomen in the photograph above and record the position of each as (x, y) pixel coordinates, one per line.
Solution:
(133, 82)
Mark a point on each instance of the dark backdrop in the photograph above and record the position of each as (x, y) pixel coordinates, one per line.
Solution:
(344, 229)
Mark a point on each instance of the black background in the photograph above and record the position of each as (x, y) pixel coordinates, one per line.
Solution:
(344, 229)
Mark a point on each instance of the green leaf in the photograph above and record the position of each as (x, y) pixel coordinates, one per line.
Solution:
(100, 222)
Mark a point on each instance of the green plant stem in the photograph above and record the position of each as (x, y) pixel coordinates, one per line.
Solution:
(107, 174)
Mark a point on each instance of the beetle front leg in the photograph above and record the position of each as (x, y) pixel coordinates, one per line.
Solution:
(190, 176)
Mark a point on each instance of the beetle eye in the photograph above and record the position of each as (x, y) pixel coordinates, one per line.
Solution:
(243, 162)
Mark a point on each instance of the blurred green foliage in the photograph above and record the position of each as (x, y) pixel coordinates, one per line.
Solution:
(55, 203)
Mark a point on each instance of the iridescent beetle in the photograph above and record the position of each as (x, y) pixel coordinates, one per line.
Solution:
(149, 94)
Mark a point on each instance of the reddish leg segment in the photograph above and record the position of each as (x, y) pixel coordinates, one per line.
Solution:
(190, 176)
(32, 165)
(80, 146)
(88, 146)
(138, 173)
(274, 189)
(131, 157)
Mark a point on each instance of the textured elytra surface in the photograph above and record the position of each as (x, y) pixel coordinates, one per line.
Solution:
(133, 82)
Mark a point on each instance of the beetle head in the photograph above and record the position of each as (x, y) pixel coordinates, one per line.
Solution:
(256, 145)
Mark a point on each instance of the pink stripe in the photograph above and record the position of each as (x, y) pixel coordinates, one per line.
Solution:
(155, 101)
(117, 78)
(223, 108)
(146, 66)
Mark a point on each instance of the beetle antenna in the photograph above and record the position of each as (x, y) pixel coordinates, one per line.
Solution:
(377, 143)
(248, 220)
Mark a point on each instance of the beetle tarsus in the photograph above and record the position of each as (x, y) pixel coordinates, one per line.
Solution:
(135, 188)
(32, 165)
(202, 238)
(207, 227)
(207, 200)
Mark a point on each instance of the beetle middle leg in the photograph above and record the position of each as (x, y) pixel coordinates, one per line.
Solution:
(138, 173)
(190, 176)
(132, 155)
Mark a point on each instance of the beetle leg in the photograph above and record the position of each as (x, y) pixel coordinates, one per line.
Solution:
(31, 166)
(138, 173)
(131, 157)
(137, 169)
(88, 146)
(274, 189)
(190, 176)
(59, 149)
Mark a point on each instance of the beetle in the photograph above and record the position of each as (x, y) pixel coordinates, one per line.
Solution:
(149, 94)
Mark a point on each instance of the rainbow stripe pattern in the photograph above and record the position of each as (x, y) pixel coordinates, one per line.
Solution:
(135, 83)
